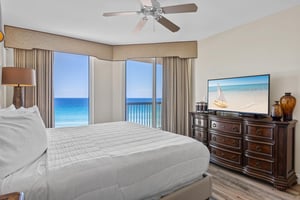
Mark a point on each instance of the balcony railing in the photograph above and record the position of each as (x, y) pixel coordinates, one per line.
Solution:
(141, 112)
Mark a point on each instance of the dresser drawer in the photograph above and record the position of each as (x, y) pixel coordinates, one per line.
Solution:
(225, 155)
(264, 166)
(200, 134)
(233, 127)
(259, 148)
(230, 142)
(260, 131)
(200, 122)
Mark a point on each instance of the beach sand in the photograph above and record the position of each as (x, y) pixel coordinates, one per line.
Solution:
(242, 101)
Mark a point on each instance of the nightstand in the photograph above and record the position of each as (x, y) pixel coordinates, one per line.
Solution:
(13, 196)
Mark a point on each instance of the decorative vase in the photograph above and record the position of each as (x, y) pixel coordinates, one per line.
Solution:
(287, 103)
(276, 112)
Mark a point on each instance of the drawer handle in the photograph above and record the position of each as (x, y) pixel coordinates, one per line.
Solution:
(258, 148)
(198, 133)
(214, 125)
(214, 138)
(235, 129)
(259, 132)
(257, 164)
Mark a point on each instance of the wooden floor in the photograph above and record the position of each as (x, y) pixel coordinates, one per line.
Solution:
(228, 185)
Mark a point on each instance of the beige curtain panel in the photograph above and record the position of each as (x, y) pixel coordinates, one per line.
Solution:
(42, 94)
(177, 95)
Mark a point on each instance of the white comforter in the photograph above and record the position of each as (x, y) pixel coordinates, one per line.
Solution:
(112, 161)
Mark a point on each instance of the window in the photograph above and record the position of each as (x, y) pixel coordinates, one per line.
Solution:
(71, 89)
(144, 92)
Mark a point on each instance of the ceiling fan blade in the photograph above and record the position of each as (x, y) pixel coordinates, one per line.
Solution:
(140, 25)
(110, 14)
(168, 24)
(180, 8)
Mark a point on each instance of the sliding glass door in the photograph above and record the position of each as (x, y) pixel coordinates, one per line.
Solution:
(144, 91)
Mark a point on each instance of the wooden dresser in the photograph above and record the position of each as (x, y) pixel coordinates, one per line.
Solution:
(199, 126)
(260, 148)
(225, 136)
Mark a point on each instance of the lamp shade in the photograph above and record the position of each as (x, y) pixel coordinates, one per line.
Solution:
(15, 76)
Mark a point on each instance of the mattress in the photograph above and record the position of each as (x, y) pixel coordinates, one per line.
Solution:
(118, 160)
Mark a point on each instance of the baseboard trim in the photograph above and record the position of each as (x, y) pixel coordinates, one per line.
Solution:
(298, 178)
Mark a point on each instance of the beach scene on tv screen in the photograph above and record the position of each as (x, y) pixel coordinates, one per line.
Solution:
(241, 94)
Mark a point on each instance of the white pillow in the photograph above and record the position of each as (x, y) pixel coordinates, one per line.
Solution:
(9, 108)
(22, 140)
(31, 110)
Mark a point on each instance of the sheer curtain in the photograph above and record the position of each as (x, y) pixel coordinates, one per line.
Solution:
(177, 97)
(42, 94)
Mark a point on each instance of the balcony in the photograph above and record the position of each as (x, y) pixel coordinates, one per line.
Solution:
(141, 113)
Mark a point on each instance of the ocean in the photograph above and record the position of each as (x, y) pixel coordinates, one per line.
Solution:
(248, 98)
(75, 111)
(243, 88)
(71, 111)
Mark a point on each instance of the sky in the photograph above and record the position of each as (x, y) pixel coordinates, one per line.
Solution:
(139, 80)
(71, 75)
(255, 79)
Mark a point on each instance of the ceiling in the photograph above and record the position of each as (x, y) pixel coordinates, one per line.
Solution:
(83, 18)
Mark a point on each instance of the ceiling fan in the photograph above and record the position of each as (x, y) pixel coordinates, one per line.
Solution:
(152, 8)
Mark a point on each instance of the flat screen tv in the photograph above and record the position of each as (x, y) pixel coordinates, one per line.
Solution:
(243, 95)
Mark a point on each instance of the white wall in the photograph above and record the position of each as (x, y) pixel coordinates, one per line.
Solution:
(118, 93)
(270, 45)
(109, 91)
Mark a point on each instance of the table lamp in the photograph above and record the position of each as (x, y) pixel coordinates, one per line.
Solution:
(19, 78)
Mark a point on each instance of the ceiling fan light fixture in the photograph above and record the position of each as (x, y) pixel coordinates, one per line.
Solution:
(153, 8)
(157, 17)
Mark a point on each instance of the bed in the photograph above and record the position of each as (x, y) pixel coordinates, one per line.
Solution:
(117, 160)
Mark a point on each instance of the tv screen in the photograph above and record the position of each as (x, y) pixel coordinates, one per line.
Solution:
(246, 94)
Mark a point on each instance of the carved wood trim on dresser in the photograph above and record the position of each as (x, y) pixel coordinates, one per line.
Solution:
(260, 148)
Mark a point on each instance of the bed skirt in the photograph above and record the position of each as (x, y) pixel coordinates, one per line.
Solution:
(199, 190)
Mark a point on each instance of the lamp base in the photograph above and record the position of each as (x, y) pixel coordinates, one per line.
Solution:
(18, 96)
